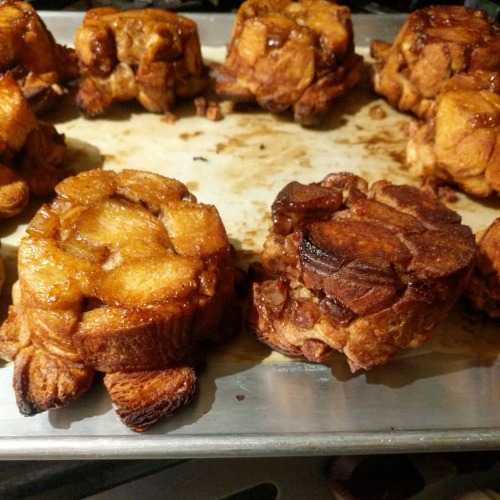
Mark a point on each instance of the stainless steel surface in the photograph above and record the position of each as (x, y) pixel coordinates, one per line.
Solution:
(287, 409)
(250, 401)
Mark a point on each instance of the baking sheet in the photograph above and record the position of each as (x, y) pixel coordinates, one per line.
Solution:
(444, 396)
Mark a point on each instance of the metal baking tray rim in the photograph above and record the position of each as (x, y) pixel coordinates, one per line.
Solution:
(258, 445)
(339, 413)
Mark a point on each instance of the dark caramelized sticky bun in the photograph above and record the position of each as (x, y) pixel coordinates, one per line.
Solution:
(365, 270)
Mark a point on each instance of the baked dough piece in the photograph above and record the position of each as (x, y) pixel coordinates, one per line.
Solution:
(290, 55)
(460, 142)
(30, 55)
(434, 44)
(483, 290)
(123, 273)
(31, 151)
(2, 270)
(444, 67)
(142, 398)
(367, 271)
(151, 55)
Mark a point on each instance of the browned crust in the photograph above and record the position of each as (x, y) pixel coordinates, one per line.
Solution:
(118, 339)
(483, 290)
(14, 193)
(142, 399)
(42, 381)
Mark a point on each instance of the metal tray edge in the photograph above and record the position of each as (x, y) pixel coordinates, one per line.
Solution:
(209, 446)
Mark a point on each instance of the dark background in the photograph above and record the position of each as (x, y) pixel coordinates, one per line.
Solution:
(362, 6)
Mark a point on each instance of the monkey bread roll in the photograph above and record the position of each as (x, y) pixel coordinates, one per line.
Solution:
(484, 287)
(290, 55)
(2, 270)
(460, 142)
(31, 151)
(434, 44)
(364, 270)
(29, 53)
(123, 273)
(444, 67)
(151, 55)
